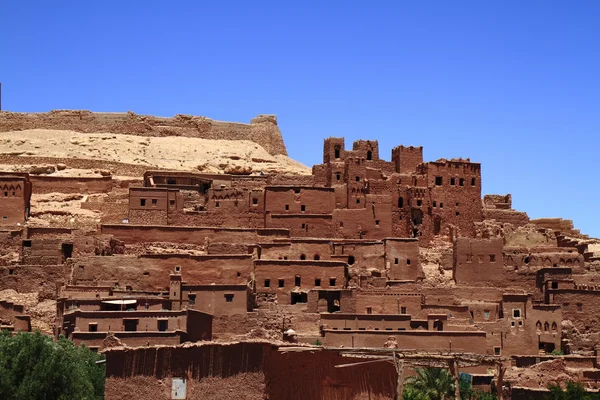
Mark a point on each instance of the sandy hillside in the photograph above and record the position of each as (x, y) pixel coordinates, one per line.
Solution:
(178, 153)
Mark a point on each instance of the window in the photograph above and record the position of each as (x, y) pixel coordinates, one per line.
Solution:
(297, 191)
(492, 258)
(297, 280)
(520, 323)
(303, 256)
(396, 261)
(281, 283)
(93, 327)
(419, 203)
(163, 324)
(457, 213)
(497, 351)
(435, 204)
(441, 205)
(338, 176)
(303, 226)
(369, 310)
(452, 181)
(317, 257)
(331, 281)
(130, 325)
(408, 261)
(350, 260)
(217, 204)
(26, 243)
(341, 224)
(369, 155)
(337, 152)
(400, 202)
(267, 283)
(402, 310)
(317, 282)
(516, 313)
(486, 314)
(554, 285)
(438, 181)
(5, 194)
(171, 203)
(302, 208)
(287, 207)
(171, 181)
(228, 297)
(472, 181)
(154, 202)
(357, 201)
(358, 179)
(376, 222)
(254, 201)
(142, 202)
(579, 307)
(461, 182)
(191, 299)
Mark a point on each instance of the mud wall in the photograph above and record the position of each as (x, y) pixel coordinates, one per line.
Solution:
(251, 370)
(262, 130)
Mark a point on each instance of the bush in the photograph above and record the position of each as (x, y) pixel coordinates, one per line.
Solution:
(34, 366)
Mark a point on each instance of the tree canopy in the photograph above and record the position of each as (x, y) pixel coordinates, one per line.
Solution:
(34, 366)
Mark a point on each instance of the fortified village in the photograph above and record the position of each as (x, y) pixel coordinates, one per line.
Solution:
(202, 260)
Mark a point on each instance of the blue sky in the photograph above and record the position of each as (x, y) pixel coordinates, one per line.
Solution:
(514, 85)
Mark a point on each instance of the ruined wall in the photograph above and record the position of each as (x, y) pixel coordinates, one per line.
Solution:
(262, 129)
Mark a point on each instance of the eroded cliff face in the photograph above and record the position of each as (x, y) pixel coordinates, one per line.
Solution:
(262, 130)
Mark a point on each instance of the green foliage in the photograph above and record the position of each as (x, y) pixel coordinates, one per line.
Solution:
(33, 366)
(573, 391)
(431, 383)
(556, 353)
(317, 342)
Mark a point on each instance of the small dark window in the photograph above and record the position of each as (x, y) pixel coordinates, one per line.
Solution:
(229, 297)
(26, 243)
(580, 307)
(287, 207)
(517, 313)
(457, 213)
(163, 324)
(419, 203)
(267, 283)
(357, 201)
(438, 181)
(554, 285)
(255, 200)
(402, 310)
(154, 202)
(452, 181)
(338, 176)
(171, 182)
(11, 271)
(297, 280)
(191, 299)
(171, 203)
(217, 204)
(369, 155)
(331, 281)
(441, 205)
(302, 208)
(350, 260)
(93, 327)
(130, 325)
(400, 202)
(303, 226)
(337, 152)
(377, 222)
(396, 261)
(461, 181)
(358, 179)
(472, 181)
(369, 310)
(317, 282)
(492, 258)
(496, 351)
(281, 283)
(435, 203)
(5, 194)
(303, 256)
(317, 257)
(407, 261)
(142, 202)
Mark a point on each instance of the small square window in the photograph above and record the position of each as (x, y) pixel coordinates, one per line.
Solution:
(255, 201)
(357, 201)
(154, 202)
(452, 181)
(435, 203)
(267, 283)
(297, 280)
(331, 281)
(358, 179)
(457, 213)
(419, 203)
(93, 327)
(338, 176)
(163, 325)
(303, 226)
(486, 314)
(229, 297)
(441, 205)
(369, 310)
(408, 261)
(287, 207)
(192, 298)
(461, 182)
(472, 181)
(317, 282)
(171, 203)
(438, 181)
(396, 261)
(497, 351)
(143, 202)
(281, 283)
(376, 222)
(492, 258)
(217, 204)
(520, 323)
(402, 310)
(302, 208)
(516, 313)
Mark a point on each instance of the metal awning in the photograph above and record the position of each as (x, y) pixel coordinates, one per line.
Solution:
(119, 301)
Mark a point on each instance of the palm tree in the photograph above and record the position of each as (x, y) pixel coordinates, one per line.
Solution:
(431, 383)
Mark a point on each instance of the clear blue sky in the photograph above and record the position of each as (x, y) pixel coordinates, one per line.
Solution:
(514, 85)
